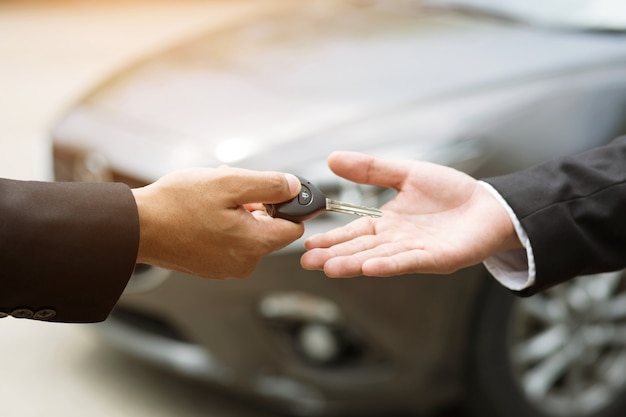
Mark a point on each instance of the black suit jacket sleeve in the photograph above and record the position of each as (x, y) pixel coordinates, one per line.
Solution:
(67, 250)
(574, 212)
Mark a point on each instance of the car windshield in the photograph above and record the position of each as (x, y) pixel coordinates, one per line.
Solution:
(577, 14)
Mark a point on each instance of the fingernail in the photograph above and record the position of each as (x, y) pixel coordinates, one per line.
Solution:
(294, 183)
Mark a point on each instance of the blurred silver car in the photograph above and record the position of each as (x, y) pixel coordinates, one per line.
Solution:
(484, 89)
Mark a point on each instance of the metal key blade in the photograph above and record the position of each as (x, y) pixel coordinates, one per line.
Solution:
(341, 207)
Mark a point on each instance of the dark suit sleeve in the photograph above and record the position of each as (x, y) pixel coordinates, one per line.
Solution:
(574, 212)
(67, 250)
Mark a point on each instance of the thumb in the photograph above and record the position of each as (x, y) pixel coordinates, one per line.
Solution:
(367, 169)
(268, 187)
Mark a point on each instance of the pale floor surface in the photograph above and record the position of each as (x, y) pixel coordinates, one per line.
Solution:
(50, 53)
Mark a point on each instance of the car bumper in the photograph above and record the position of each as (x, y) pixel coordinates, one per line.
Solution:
(407, 335)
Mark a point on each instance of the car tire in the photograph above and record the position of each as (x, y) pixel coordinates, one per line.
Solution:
(520, 364)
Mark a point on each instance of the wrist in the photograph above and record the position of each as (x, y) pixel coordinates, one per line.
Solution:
(146, 250)
(504, 221)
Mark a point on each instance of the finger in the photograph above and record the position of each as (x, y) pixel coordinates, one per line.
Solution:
(360, 227)
(398, 264)
(343, 267)
(263, 187)
(346, 259)
(315, 259)
(358, 245)
(382, 261)
(255, 207)
(410, 262)
(277, 233)
(367, 169)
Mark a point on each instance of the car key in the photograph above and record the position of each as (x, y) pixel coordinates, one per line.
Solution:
(311, 202)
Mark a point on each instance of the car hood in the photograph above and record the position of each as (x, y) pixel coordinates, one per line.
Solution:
(291, 80)
(580, 14)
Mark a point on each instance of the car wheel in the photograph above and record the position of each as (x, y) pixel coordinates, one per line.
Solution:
(560, 353)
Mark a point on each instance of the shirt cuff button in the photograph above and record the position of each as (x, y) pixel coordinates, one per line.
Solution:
(22, 313)
(45, 314)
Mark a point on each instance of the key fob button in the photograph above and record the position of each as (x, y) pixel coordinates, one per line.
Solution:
(305, 196)
(310, 203)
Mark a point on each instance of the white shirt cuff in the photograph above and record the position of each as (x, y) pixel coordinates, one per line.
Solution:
(514, 269)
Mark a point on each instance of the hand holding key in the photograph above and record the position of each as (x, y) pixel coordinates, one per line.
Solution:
(311, 202)
(436, 223)
(209, 221)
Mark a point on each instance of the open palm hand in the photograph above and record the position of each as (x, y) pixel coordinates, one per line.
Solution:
(440, 221)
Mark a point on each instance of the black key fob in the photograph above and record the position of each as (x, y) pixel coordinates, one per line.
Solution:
(306, 205)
